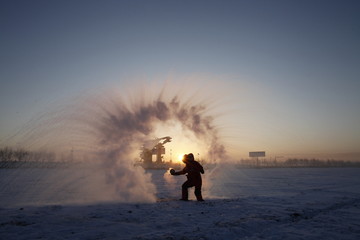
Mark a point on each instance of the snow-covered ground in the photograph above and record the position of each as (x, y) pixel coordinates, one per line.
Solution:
(304, 203)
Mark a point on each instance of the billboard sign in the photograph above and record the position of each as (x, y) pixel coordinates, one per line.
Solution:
(257, 154)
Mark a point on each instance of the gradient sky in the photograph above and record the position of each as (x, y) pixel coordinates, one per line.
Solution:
(299, 61)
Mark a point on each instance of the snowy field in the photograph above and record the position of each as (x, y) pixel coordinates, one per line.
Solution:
(304, 203)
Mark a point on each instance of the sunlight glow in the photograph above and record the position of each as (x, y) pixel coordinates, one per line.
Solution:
(183, 141)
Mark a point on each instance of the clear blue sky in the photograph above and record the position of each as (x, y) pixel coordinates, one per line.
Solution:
(301, 59)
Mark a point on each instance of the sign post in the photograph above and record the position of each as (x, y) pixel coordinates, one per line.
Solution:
(256, 155)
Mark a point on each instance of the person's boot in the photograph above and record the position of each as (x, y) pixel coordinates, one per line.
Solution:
(198, 195)
(200, 199)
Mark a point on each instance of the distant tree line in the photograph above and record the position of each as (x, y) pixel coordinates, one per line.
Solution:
(15, 158)
(297, 162)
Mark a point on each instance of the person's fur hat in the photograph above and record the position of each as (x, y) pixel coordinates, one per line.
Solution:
(190, 157)
(185, 158)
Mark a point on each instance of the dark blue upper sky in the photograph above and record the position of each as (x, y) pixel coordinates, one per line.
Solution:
(304, 54)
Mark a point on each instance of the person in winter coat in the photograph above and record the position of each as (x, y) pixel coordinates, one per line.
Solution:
(192, 169)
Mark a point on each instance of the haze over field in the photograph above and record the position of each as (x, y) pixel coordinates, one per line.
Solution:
(279, 76)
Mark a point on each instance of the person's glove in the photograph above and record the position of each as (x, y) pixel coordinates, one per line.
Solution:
(172, 171)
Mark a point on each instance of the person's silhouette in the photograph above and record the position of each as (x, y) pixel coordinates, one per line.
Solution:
(192, 169)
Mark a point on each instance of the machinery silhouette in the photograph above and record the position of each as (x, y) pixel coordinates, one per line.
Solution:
(154, 147)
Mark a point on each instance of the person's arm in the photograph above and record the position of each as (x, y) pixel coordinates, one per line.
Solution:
(179, 173)
(200, 168)
(182, 172)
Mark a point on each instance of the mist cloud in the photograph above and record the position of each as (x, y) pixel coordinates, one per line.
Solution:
(108, 132)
